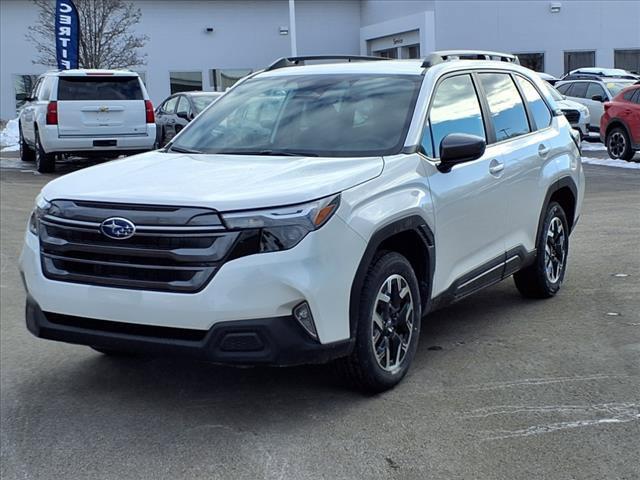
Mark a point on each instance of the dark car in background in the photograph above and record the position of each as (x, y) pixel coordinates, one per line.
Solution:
(178, 110)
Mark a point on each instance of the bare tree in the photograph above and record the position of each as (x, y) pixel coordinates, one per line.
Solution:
(107, 38)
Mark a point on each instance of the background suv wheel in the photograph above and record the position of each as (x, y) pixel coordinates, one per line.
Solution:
(45, 162)
(618, 144)
(388, 325)
(544, 277)
(26, 153)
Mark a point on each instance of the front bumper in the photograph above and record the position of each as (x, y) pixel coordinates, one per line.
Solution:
(274, 341)
(320, 270)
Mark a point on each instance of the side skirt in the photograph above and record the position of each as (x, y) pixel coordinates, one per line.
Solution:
(484, 276)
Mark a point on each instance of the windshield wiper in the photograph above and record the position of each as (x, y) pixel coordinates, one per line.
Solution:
(173, 148)
(271, 153)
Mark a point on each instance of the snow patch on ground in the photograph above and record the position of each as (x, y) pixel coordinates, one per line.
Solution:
(9, 137)
(611, 163)
(593, 147)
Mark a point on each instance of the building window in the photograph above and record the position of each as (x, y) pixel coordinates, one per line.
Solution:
(534, 61)
(387, 53)
(627, 60)
(223, 79)
(185, 81)
(411, 51)
(574, 60)
(22, 88)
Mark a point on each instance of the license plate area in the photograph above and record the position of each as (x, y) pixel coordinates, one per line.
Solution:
(105, 143)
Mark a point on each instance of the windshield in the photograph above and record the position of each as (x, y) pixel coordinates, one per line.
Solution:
(319, 115)
(615, 87)
(200, 102)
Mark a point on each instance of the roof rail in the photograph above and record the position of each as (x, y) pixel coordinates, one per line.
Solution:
(478, 55)
(292, 61)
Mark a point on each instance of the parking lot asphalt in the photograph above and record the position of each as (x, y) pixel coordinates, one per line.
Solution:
(501, 387)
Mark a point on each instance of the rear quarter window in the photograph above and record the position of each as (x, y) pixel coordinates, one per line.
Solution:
(539, 109)
(99, 88)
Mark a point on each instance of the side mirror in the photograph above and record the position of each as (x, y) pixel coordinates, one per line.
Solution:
(458, 148)
(597, 98)
(183, 115)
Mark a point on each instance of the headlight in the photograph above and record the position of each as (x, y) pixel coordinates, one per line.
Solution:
(283, 228)
(40, 209)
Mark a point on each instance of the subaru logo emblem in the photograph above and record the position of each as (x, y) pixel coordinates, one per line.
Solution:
(117, 228)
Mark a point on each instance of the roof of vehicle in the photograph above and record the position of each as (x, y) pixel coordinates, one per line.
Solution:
(600, 71)
(91, 72)
(630, 81)
(391, 67)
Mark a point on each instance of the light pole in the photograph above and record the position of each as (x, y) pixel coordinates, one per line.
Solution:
(292, 27)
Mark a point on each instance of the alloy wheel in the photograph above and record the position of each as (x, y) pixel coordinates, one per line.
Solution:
(555, 250)
(617, 144)
(392, 319)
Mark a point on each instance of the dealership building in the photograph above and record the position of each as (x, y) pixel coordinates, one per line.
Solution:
(208, 44)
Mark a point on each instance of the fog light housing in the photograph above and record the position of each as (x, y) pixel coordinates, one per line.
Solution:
(302, 313)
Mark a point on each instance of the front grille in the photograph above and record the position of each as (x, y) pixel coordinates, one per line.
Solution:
(176, 249)
(573, 116)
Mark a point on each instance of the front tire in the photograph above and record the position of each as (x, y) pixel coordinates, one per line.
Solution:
(388, 325)
(619, 145)
(45, 162)
(544, 277)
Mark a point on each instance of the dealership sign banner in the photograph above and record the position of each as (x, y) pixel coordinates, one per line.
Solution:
(67, 34)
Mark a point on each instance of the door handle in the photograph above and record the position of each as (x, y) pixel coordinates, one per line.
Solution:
(543, 151)
(495, 167)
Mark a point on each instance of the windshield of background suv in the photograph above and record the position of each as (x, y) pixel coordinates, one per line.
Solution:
(615, 87)
(319, 115)
(200, 102)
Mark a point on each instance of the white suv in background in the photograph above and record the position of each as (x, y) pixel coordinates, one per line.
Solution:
(86, 112)
(313, 213)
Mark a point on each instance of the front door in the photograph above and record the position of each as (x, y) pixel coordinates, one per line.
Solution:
(470, 208)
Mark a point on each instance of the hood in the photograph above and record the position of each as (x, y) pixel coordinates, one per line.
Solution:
(570, 104)
(221, 182)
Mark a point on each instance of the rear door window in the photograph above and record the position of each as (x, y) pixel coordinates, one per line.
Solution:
(99, 88)
(507, 110)
(539, 109)
(455, 109)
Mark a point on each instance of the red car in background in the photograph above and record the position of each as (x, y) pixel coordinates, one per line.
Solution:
(620, 124)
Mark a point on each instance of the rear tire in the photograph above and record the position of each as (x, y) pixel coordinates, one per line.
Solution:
(26, 153)
(619, 145)
(544, 277)
(388, 325)
(45, 162)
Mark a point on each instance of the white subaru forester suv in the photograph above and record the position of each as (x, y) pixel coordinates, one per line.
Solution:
(314, 213)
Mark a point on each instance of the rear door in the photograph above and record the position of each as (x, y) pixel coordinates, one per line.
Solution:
(100, 105)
